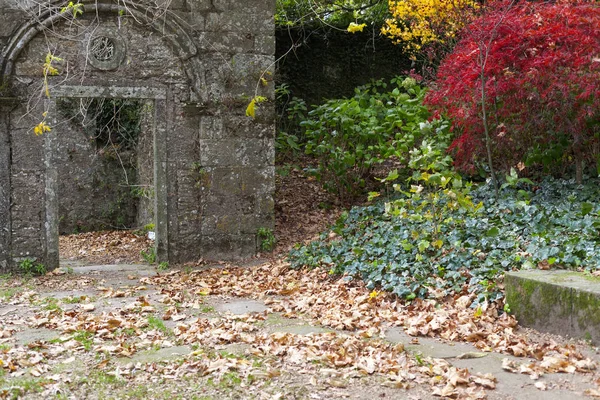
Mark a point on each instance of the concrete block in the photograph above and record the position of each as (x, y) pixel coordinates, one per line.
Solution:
(561, 302)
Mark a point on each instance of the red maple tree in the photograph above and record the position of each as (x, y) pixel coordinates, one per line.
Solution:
(540, 64)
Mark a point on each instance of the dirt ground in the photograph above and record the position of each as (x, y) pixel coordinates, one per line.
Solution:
(259, 330)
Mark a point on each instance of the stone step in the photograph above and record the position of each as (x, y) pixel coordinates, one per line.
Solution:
(562, 302)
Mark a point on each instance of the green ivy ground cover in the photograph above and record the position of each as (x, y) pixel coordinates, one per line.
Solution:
(555, 223)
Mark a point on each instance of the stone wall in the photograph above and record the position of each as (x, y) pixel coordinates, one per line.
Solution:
(196, 64)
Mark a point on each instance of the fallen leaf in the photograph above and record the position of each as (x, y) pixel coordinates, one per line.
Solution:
(470, 355)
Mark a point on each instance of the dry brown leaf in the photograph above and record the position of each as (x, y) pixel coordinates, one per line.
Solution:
(593, 393)
(488, 381)
(471, 354)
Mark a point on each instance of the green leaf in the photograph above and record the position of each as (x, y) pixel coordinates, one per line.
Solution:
(492, 232)
(423, 245)
(586, 208)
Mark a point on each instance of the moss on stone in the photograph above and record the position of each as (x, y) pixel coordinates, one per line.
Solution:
(532, 301)
(563, 302)
(567, 276)
(587, 307)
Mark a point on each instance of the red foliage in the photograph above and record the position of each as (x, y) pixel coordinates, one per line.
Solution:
(542, 82)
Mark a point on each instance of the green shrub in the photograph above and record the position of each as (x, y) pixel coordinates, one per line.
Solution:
(291, 111)
(449, 240)
(267, 239)
(31, 267)
(149, 256)
(349, 137)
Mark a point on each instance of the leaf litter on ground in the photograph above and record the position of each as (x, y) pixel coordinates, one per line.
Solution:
(334, 359)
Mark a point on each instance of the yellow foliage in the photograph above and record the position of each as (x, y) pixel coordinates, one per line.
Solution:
(353, 27)
(41, 128)
(416, 23)
(75, 9)
(48, 68)
(251, 109)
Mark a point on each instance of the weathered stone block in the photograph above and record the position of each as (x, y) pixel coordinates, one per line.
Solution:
(224, 224)
(249, 224)
(247, 71)
(264, 44)
(225, 182)
(260, 181)
(240, 21)
(9, 21)
(562, 302)
(245, 245)
(228, 42)
(200, 6)
(214, 246)
(211, 127)
(243, 127)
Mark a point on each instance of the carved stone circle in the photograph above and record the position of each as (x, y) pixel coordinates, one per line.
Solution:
(106, 50)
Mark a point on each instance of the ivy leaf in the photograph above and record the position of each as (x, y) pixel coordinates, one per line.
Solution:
(423, 245)
(492, 232)
(586, 208)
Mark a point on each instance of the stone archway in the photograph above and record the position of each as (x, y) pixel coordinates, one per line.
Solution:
(216, 164)
(180, 42)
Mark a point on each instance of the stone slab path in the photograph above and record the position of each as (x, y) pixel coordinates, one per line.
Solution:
(127, 331)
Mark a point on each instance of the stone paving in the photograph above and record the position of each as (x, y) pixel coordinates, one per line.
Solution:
(462, 355)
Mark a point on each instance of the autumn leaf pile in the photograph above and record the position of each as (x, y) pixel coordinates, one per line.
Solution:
(348, 305)
(165, 311)
(106, 247)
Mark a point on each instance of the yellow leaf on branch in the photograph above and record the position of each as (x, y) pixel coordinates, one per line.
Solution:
(41, 128)
(251, 109)
(354, 27)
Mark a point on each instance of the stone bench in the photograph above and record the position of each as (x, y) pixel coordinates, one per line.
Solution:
(562, 302)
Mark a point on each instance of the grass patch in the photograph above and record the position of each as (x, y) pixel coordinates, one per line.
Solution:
(7, 294)
(50, 304)
(157, 324)
(230, 380)
(207, 309)
(103, 378)
(16, 388)
(78, 299)
(85, 338)
(126, 332)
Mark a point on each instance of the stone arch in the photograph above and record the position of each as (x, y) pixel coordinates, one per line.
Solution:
(197, 64)
(173, 32)
(181, 50)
